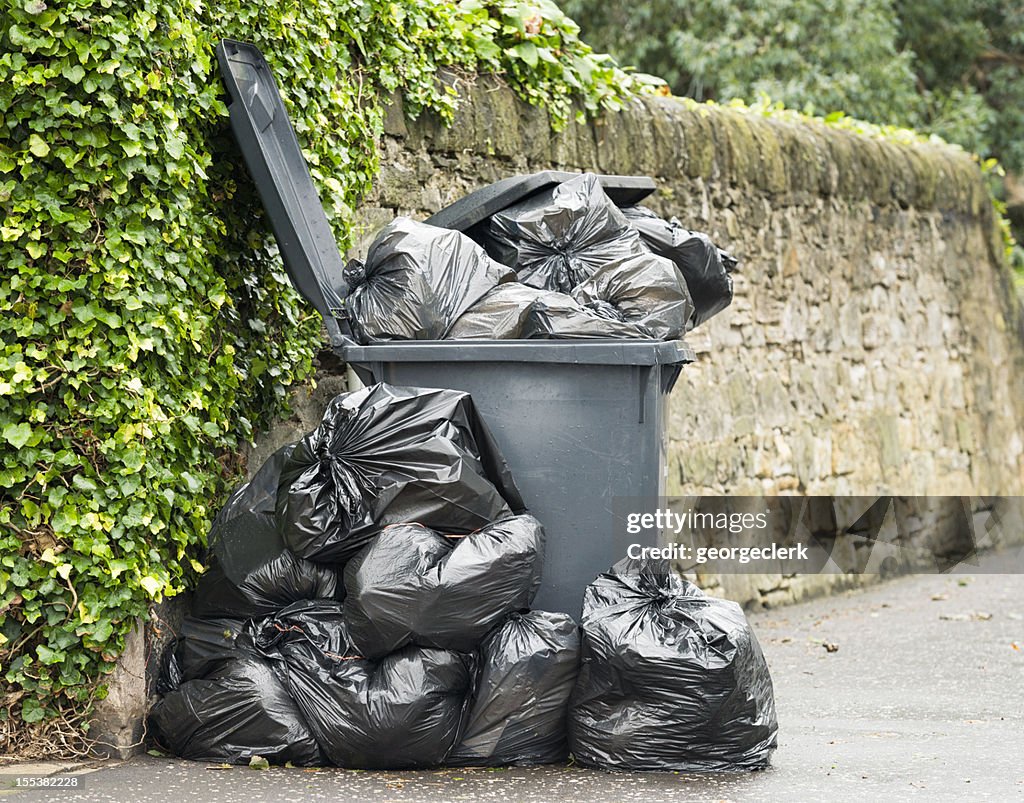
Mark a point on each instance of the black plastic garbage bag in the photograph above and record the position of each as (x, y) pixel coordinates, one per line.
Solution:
(204, 644)
(647, 291)
(283, 579)
(414, 586)
(383, 455)
(403, 712)
(528, 668)
(558, 238)
(705, 267)
(670, 679)
(416, 281)
(251, 572)
(514, 311)
(201, 647)
(306, 629)
(239, 711)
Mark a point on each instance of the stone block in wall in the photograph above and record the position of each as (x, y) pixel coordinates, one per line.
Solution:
(397, 186)
(668, 149)
(394, 117)
(771, 174)
(116, 726)
(370, 221)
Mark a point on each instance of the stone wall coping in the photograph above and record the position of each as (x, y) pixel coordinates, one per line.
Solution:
(671, 137)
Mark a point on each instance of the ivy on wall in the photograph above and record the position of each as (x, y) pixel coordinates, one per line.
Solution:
(146, 325)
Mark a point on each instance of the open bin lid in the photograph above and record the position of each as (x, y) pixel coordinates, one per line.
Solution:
(476, 207)
(278, 168)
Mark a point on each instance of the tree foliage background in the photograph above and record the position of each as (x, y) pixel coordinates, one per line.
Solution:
(954, 68)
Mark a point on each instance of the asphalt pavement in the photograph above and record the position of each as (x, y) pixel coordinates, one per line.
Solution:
(910, 690)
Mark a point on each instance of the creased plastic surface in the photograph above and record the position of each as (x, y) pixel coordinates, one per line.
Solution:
(558, 238)
(307, 629)
(646, 291)
(240, 710)
(283, 579)
(705, 267)
(251, 573)
(574, 240)
(528, 668)
(201, 647)
(414, 586)
(670, 679)
(403, 712)
(514, 311)
(417, 280)
(384, 455)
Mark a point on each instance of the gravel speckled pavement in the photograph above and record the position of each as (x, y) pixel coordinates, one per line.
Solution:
(921, 699)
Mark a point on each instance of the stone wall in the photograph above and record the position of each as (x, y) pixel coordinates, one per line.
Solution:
(875, 345)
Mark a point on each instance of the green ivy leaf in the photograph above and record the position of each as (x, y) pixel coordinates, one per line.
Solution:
(74, 73)
(17, 434)
(37, 145)
(32, 711)
(527, 51)
(48, 656)
(83, 483)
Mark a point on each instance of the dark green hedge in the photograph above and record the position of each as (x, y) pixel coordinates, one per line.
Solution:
(147, 326)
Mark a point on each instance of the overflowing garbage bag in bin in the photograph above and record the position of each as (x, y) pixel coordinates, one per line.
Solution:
(386, 455)
(573, 239)
(644, 291)
(670, 679)
(416, 281)
(557, 238)
(515, 311)
(584, 270)
(706, 268)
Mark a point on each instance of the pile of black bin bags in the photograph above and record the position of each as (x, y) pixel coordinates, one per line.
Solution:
(367, 606)
(563, 264)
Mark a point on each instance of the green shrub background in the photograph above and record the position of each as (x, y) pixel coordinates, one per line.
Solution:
(147, 325)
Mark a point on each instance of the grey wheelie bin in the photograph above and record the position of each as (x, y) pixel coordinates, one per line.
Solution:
(580, 422)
